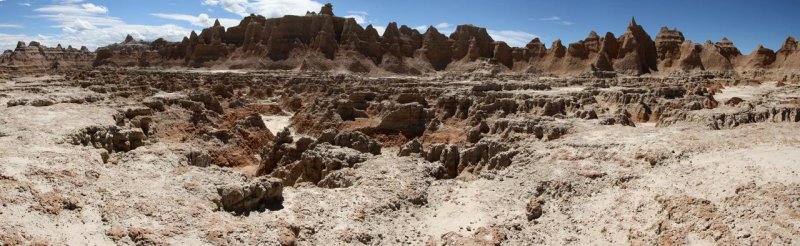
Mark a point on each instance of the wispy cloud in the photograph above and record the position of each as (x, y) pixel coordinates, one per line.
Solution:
(83, 9)
(2, 25)
(557, 19)
(201, 20)
(551, 18)
(355, 12)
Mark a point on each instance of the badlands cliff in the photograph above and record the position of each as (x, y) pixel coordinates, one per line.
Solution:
(325, 42)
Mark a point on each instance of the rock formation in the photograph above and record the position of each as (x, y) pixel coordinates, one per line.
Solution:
(328, 42)
(637, 54)
(35, 57)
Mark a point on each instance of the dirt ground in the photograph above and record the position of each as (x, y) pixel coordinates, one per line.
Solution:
(677, 183)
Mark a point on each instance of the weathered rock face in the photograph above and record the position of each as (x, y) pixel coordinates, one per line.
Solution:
(536, 48)
(357, 141)
(35, 57)
(400, 42)
(690, 57)
(258, 195)
(463, 36)
(110, 138)
(409, 119)
(412, 147)
(668, 46)
(637, 54)
(436, 49)
(788, 56)
(326, 42)
(727, 49)
(760, 58)
(717, 57)
(503, 54)
(130, 53)
(316, 163)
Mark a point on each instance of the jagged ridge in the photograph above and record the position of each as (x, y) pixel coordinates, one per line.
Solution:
(323, 41)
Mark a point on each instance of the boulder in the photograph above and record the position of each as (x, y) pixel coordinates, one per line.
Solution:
(357, 141)
(412, 147)
(408, 119)
(534, 209)
(258, 195)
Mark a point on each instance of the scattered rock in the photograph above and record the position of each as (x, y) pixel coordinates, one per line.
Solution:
(534, 209)
(412, 147)
(258, 195)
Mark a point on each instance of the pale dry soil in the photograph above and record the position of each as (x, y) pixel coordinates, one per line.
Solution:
(153, 189)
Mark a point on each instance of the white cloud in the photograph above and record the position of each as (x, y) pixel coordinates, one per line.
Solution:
(87, 24)
(234, 6)
(268, 8)
(511, 37)
(78, 26)
(94, 38)
(360, 19)
(558, 20)
(443, 27)
(66, 15)
(380, 29)
(201, 20)
(3, 25)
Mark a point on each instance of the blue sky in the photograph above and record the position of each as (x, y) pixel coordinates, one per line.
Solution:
(99, 22)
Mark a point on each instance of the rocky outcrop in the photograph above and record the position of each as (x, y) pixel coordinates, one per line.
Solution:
(325, 42)
(482, 155)
(309, 160)
(462, 40)
(719, 56)
(668, 46)
(436, 49)
(759, 59)
(738, 117)
(35, 57)
(788, 56)
(258, 195)
(412, 147)
(316, 163)
(357, 141)
(637, 54)
(110, 138)
(409, 119)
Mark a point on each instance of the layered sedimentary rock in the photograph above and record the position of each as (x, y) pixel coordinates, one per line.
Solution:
(37, 57)
(668, 47)
(637, 54)
(325, 42)
(788, 56)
